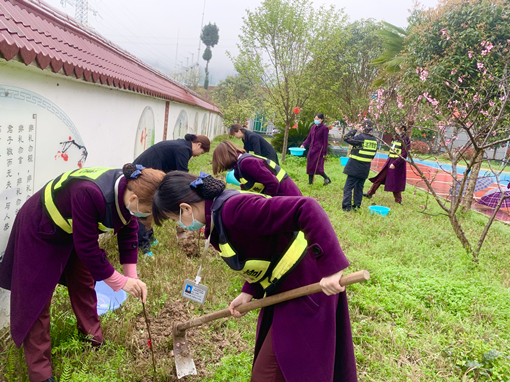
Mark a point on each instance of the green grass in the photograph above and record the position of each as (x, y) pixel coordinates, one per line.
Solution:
(428, 313)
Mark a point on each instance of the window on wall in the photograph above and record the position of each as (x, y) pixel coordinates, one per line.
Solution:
(203, 129)
(195, 125)
(181, 125)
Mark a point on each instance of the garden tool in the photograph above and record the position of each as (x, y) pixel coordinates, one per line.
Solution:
(185, 365)
(150, 338)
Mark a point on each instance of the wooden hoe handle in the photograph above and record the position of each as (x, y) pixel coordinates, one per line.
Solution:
(349, 279)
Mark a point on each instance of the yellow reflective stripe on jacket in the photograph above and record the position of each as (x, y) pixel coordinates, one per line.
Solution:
(291, 257)
(396, 149)
(54, 213)
(254, 270)
(67, 224)
(91, 173)
(361, 159)
(226, 250)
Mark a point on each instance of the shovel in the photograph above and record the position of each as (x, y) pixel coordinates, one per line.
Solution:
(184, 363)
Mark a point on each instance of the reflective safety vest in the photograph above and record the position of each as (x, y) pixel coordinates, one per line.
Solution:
(396, 149)
(266, 272)
(365, 153)
(107, 179)
(253, 186)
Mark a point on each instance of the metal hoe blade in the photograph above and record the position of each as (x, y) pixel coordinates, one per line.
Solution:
(184, 364)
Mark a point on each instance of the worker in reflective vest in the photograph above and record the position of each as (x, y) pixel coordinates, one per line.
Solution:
(276, 244)
(393, 174)
(55, 239)
(254, 173)
(364, 148)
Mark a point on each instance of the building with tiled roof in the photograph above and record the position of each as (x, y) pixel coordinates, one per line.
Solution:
(71, 98)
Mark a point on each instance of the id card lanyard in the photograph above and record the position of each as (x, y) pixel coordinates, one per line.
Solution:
(193, 290)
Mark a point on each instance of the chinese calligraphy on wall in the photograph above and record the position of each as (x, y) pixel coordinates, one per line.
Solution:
(17, 159)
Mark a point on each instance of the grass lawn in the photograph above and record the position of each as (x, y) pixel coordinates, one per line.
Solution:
(428, 313)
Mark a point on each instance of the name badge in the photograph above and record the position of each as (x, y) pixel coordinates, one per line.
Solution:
(194, 292)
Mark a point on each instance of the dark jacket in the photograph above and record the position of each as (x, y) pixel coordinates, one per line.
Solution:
(317, 145)
(355, 167)
(254, 142)
(394, 180)
(37, 251)
(167, 156)
(256, 170)
(311, 335)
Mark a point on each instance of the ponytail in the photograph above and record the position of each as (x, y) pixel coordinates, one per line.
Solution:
(142, 181)
(206, 143)
(225, 156)
(181, 187)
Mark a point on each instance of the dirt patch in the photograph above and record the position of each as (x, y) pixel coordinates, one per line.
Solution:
(206, 343)
(191, 243)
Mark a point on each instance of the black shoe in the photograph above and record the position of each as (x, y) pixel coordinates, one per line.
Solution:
(367, 196)
(327, 181)
(51, 379)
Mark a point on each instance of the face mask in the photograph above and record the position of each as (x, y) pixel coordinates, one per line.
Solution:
(316, 122)
(138, 214)
(194, 226)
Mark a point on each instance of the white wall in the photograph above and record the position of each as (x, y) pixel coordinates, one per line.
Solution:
(57, 108)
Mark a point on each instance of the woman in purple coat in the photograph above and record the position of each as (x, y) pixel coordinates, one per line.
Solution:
(317, 145)
(393, 173)
(55, 239)
(255, 173)
(301, 340)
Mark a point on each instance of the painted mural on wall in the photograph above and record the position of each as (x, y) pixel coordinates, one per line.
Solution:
(146, 132)
(203, 130)
(38, 141)
(181, 125)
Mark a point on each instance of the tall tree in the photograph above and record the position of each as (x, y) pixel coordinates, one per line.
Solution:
(285, 47)
(236, 99)
(210, 37)
(352, 77)
(449, 44)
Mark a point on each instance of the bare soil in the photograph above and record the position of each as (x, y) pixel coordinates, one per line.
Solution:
(210, 336)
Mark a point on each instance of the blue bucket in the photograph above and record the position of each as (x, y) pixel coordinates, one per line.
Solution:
(107, 299)
(381, 210)
(343, 160)
(296, 151)
(232, 179)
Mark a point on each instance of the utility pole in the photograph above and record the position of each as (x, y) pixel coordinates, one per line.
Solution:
(81, 11)
(177, 48)
(201, 26)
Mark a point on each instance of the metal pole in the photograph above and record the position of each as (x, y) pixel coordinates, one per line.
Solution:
(201, 26)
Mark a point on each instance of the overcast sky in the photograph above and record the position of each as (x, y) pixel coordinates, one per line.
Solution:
(166, 33)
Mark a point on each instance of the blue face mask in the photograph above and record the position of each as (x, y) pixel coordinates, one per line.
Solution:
(316, 122)
(194, 226)
(138, 214)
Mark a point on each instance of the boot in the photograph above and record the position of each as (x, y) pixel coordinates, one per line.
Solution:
(367, 196)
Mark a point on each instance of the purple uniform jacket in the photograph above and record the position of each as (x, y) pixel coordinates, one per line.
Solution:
(395, 179)
(255, 169)
(38, 251)
(311, 335)
(317, 144)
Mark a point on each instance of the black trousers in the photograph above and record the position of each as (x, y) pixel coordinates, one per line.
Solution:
(353, 192)
(145, 237)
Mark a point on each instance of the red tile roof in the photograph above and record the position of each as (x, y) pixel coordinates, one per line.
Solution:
(38, 32)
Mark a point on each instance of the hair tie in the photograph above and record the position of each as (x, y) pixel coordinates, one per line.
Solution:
(197, 182)
(138, 171)
(131, 171)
